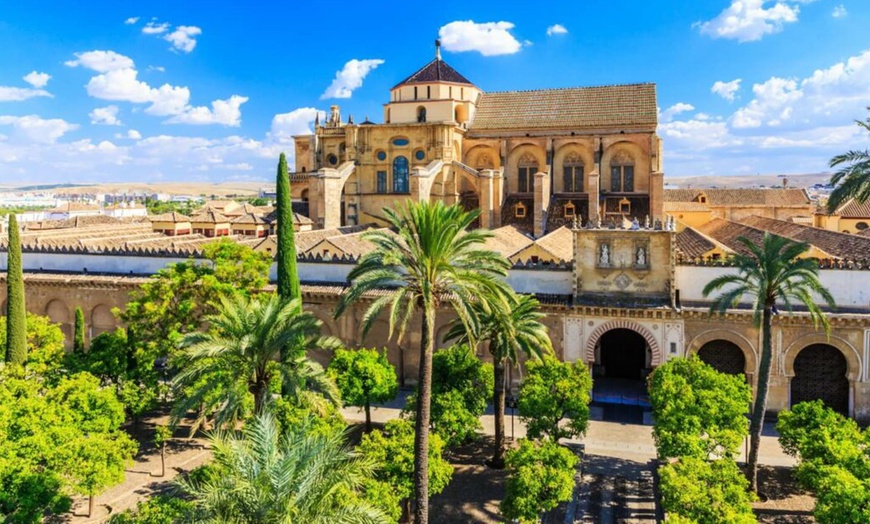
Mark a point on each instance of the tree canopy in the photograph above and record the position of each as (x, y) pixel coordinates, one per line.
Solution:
(552, 391)
(698, 411)
(364, 377)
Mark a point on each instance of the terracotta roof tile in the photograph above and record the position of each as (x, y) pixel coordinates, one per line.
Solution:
(841, 245)
(507, 241)
(305, 240)
(854, 209)
(209, 217)
(250, 218)
(559, 242)
(571, 108)
(727, 232)
(740, 197)
(435, 71)
(693, 244)
(174, 217)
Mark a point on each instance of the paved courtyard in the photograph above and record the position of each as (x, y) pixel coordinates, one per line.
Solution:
(617, 471)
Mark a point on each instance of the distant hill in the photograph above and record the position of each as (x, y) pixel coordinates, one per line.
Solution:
(804, 180)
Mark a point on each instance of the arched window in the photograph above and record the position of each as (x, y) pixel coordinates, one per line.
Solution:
(622, 173)
(421, 114)
(527, 166)
(400, 175)
(572, 173)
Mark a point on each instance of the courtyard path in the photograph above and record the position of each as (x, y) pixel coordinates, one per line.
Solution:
(616, 480)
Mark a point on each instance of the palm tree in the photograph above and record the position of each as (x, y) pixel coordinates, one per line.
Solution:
(769, 274)
(854, 175)
(265, 477)
(429, 260)
(239, 355)
(510, 331)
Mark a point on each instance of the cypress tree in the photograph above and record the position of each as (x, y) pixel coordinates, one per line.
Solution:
(16, 314)
(288, 276)
(79, 340)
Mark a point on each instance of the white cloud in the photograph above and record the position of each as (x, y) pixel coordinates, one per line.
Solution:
(107, 116)
(224, 112)
(668, 114)
(182, 39)
(350, 78)
(153, 28)
(36, 129)
(556, 29)
(119, 81)
(296, 122)
(17, 94)
(751, 20)
(839, 11)
(791, 125)
(37, 80)
(488, 38)
(101, 61)
(159, 69)
(727, 90)
(132, 20)
(131, 134)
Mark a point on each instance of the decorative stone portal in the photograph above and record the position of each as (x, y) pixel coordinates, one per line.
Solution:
(820, 374)
(622, 354)
(622, 362)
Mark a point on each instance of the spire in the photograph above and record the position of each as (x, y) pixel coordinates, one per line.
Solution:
(437, 49)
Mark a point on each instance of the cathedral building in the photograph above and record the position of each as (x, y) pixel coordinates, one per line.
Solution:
(535, 159)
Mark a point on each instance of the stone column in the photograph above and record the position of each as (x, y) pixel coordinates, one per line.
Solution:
(325, 200)
(656, 195)
(485, 184)
(593, 189)
(542, 202)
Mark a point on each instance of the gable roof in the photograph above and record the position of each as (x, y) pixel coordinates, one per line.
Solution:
(559, 243)
(507, 241)
(250, 218)
(854, 209)
(210, 217)
(841, 245)
(777, 197)
(435, 71)
(727, 232)
(570, 108)
(175, 217)
(693, 244)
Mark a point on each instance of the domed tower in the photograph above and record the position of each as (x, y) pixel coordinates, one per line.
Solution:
(435, 93)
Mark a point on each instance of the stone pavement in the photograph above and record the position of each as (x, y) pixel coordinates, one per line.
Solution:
(617, 460)
(611, 439)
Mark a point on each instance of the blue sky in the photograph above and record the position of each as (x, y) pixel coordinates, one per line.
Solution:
(180, 91)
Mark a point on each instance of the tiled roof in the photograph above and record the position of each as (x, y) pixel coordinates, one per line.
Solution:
(854, 209)
(79, 221)
(209, 217)
(305, 240)
(727, 232)
(353, 245)
(174, 217)
(435, 71)
(571, 108)
(507, 241)
(740, 197)
(298, 218)
(560, 243)
(250, 218)
(693, 244)
(841, 245)
(683, 207)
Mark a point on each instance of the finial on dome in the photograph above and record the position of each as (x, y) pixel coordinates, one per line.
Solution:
(437, 49)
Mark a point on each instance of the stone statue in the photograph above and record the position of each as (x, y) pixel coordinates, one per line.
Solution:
(604, 259)
(641, 257)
